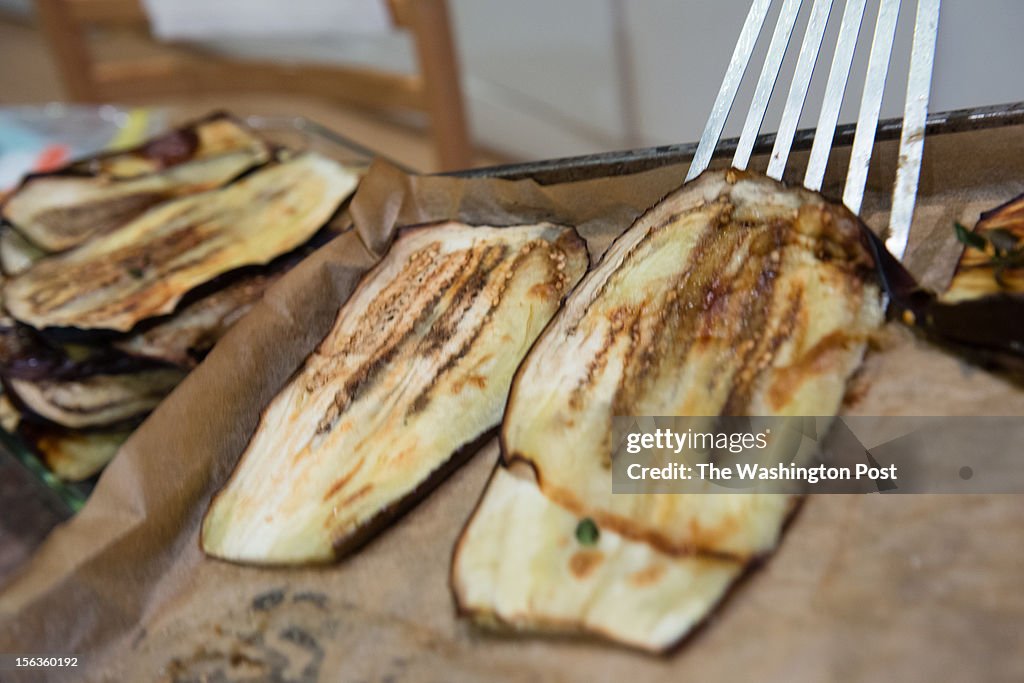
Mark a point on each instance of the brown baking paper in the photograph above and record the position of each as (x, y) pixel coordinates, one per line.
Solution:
(912, 587)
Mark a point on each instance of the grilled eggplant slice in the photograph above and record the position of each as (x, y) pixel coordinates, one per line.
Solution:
(212, 136)
(73, 455)
(25, 354)
(96, 400)
(59, 212)
(144, 268)
(521, 565)
(732, 296)
(417, 365)
(995, 266)
(185, 338)
(17, 254)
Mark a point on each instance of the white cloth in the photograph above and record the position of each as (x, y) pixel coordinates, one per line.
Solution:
(211, 19)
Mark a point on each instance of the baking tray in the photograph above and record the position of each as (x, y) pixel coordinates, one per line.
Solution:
(19, 464)
(605, 164)
(299, 132)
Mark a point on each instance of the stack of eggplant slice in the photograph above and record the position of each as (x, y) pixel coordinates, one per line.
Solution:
(122, 271)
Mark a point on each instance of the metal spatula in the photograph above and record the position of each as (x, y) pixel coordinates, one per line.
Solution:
(915, 111)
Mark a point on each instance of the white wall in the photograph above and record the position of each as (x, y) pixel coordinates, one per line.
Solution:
(682, 49)
(654, 82)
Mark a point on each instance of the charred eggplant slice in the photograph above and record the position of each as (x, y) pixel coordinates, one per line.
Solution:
(95, 400)
(25, 354)
(58, 212)
(144, 268)
(185, 338)
(992, 262)
(17, 254)
(732, 296)
(211, 136)
(417, 365)
(70, 454)
(524, 563)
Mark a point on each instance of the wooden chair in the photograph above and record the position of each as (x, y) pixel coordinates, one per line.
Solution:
(435, 90)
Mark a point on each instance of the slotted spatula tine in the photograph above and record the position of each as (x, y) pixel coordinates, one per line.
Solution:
(870, 104)
(838, 75)
(919, 85)
(730, 84)
(766, 82)
(915, 112)
(798, 89)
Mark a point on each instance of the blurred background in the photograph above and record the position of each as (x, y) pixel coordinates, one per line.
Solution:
(538, 78)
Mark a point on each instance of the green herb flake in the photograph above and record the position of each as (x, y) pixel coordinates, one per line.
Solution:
(136, 273)
(969, 237)
(587, 532)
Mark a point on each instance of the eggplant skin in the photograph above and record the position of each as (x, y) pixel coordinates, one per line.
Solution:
(732, 296)
(27, 355)
(144, 268)
(95, 400)
(417, 365)
(518, 566)
(185, 338)
(975, 274)
(212, 135)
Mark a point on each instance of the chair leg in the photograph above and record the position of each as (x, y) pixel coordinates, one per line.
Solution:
(432, 34)
(69, 46)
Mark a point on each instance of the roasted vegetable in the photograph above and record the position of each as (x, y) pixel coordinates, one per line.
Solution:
(417, 365)
(73, 455)
(520, 565)
(992, 262)
(981, 316)
(732, 296)
(186, 337)
(144, 268)
(211, 136)
(25, 354)
(59, 212)
(17, 254)
(95, 400)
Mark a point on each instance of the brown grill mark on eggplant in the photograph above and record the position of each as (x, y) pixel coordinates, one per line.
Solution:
(90, 218)
(629, 256)
(422, 400)
(359, 493)
(393, 300)
(689, 303)
(626, 317)
(340, 484)
(583, 562)
(755, 317)
(466, 292)
(788, 379)
(65, 283)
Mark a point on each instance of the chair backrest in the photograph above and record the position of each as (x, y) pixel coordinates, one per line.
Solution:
(433, 89)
